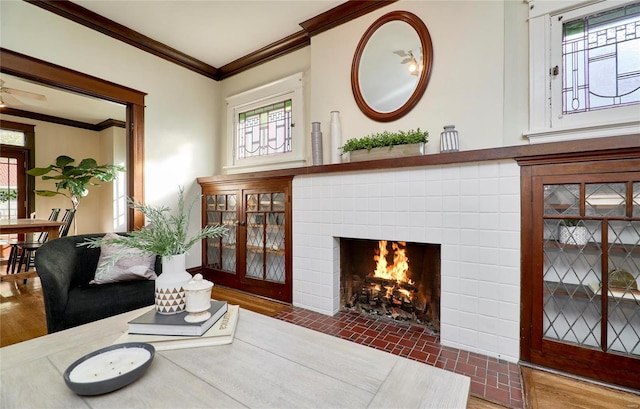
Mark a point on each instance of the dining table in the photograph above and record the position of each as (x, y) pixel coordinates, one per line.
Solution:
(26, 226)
(269, 364)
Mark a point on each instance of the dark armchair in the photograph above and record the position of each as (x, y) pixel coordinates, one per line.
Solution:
(65, 271)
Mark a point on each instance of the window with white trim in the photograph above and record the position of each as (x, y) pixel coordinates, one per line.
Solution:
(261, 126)
(585, 70)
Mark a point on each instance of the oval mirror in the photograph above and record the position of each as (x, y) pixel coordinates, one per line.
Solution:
(392, 66)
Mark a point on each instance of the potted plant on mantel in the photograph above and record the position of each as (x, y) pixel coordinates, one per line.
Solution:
(75, 179)
(166, 236)
(385, 145)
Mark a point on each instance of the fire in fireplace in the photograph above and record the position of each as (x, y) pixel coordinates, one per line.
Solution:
(396, 280)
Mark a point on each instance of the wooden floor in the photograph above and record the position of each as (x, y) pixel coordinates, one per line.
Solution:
(22, 318)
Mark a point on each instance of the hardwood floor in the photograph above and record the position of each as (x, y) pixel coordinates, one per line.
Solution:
(22, 318)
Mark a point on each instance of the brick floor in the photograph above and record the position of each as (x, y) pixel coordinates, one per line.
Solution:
(491, 378)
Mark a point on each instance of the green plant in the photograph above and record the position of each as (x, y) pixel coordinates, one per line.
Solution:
(75, 179)
(385, 138)
(570, 222)
(6, 195)
(165, 234)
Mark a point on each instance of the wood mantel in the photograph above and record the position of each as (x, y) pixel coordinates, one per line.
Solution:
(598, 148)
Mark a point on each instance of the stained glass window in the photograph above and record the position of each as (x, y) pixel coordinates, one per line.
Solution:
(265, 130)
(601, 60)
(9, 137)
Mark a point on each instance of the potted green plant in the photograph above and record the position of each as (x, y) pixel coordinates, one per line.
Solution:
(73, 181)
(573, 232)
(165, 235)
(384, 145)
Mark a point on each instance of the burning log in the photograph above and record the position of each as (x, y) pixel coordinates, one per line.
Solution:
(391, 283)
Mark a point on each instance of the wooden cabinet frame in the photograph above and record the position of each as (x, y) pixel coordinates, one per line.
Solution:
(605, 167)
(239, 280)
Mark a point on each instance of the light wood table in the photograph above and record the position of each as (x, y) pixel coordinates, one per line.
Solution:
(270, 364)
(24, 226)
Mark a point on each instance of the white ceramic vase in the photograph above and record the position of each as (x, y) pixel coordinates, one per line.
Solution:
(336, 136)
(170, 285)
(574, 235)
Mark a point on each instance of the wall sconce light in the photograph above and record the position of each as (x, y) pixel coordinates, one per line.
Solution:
(411, 61)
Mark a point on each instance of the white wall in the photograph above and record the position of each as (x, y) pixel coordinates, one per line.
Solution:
(479, 80)
(468, 85)
(182, 107)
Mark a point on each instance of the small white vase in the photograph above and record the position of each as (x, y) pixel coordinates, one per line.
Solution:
(336, 136)
(170, 285)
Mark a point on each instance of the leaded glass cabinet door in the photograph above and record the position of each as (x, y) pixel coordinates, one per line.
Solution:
(265, 239)
(255, 255)
(586, 298)
(222, 208)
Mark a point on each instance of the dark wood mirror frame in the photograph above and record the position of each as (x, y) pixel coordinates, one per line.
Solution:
(427, 61)
(57, 76)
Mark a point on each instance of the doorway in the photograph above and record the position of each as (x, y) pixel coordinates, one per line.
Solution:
(56, 76)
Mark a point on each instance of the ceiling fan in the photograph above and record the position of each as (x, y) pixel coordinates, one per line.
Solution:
(12, 96)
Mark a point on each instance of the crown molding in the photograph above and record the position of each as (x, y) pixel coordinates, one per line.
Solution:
(107, 123)
(341, 14)
(270, 52)
(338, 15)
(87, 18)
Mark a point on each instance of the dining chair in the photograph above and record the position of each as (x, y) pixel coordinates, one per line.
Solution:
(28, 250)
(42, 237)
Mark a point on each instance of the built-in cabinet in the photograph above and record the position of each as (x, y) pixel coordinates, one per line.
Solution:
(581, 266)
(255, 254)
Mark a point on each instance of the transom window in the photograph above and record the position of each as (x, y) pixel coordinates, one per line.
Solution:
(601, 60)
(265, 130)
(261, 127)
(10, 137)
(584, 69)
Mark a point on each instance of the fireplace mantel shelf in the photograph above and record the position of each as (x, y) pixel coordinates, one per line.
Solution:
(590, 149)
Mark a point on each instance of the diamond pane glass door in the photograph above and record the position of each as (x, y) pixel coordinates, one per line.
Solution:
(221, 251)
(265, 213)
(623, 325)
(591, 266)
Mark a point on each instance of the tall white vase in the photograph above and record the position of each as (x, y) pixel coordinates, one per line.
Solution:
(170, 285)
(336, 136)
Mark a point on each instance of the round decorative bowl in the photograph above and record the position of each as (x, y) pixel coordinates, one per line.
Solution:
(109, 369)
(621, 278)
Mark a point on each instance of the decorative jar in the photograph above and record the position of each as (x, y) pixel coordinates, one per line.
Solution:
(449, 139)
(198, 299)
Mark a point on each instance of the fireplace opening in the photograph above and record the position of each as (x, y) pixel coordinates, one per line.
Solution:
(396, 280)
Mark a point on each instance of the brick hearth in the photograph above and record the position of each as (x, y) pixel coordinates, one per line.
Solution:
(491, 378)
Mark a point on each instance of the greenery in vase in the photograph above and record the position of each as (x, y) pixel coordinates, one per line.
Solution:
(570, 222)
(165, 234)
(385, 139)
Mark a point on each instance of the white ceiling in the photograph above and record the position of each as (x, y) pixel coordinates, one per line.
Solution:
(216, 32)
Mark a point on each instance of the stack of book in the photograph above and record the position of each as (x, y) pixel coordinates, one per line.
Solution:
(166, 332)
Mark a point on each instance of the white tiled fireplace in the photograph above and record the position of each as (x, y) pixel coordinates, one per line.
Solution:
(472, 210)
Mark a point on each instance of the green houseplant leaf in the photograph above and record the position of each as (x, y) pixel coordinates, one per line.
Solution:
(73, 181)
(166, 232)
